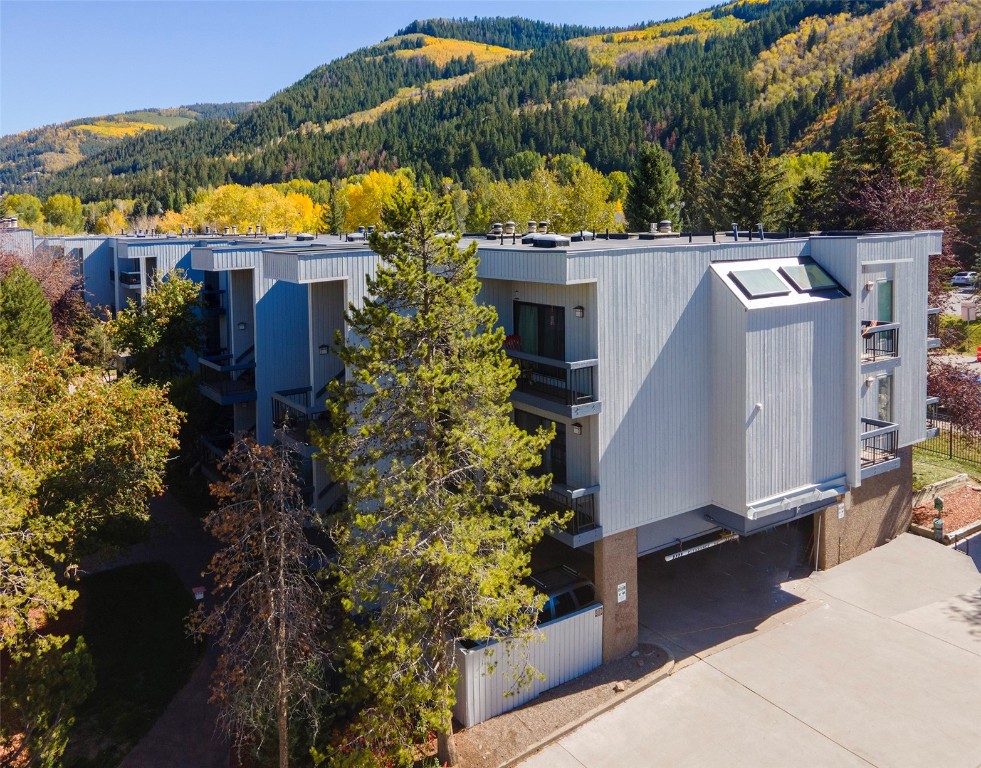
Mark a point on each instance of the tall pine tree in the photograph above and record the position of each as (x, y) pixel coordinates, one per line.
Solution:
(25, 316)
(438, 534)
(651, 188)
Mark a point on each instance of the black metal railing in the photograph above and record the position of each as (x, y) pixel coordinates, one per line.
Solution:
(580, 501)
(568, 383)
(880, 440)
(211, 450)
(933, 415)
(294, 415)
(224, 377)
(879, 341)
(129, 278)
(933, 322)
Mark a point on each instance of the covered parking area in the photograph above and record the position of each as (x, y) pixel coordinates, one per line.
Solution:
(690, 603)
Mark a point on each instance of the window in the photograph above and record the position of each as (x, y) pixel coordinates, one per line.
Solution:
(884, 398)
(553, 459)
(759, 283)
(883, 301)
(541, 329)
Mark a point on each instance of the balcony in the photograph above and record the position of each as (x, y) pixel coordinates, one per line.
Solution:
(880, 341)
(130, 279)
(582, 528)
(212, 450)
(294, 414)
(227, 380)
(212, 303)
(880, 441)
(933, 328)
(933, 417)
(555, 386)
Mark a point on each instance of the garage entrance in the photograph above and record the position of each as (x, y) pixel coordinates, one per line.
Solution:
(720, 594)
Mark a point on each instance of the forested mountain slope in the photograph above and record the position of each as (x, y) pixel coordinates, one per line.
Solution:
(51, 148)
(445, 95)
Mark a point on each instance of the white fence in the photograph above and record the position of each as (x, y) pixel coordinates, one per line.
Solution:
(490, 674)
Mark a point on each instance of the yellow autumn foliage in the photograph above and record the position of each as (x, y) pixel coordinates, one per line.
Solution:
(117, 128)
(441, 51)
(366, 197)
(610, 49)
(234, 205)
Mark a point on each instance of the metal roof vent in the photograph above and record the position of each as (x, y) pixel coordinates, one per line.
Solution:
(582, 236)
(305, 236)
(355, 236)
(550, 241)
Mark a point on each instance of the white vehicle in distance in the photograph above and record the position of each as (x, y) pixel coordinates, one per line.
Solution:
(964, 278)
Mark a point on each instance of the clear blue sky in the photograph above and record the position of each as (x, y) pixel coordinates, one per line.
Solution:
(64, 59)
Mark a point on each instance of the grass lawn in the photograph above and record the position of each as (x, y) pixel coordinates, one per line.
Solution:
(930, 468)
(973, 331)
(134, 626)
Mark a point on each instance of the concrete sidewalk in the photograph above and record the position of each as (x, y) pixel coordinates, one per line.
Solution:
(876, 662)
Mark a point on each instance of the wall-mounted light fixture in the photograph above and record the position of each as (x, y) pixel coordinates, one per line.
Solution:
(869, 285)
(869, 381)
(242, 326)
(324, 349)
(576, 428)
(580, 311)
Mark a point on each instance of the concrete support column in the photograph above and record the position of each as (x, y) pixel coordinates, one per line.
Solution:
(876, 512)
(615, 570)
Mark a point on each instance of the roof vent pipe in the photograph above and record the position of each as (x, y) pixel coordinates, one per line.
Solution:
(759, 228)
(532, 227)
(735, 232)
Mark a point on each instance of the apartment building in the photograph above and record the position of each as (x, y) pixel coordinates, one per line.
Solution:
(699, 388)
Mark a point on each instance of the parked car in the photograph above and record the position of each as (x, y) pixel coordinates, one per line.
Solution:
(964, 278)
(567, 592)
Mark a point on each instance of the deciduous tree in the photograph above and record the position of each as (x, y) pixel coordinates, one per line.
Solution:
(159, 331)
(439, 527)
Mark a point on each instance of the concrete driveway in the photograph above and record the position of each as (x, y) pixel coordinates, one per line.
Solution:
(876, 662)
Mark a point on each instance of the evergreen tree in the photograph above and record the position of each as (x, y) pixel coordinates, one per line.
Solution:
(651, 188)
(25, 316)
(885, 145)
(970, 204)
(725, 173)
(694, 194)
(269, 626)
(439, 528)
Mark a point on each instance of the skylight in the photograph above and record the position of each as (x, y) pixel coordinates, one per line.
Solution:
(759, 283)
(808, 277)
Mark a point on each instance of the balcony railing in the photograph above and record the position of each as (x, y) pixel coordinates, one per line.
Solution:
(933, 416)
(569, 385)
(879, 341)
(933, 327)
(226, 381)
(212, 450)
(294, 414)
(582, 528)
(880, 441)
(131, 279)
(212, 303)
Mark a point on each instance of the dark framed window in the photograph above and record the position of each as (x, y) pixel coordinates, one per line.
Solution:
(541, 328)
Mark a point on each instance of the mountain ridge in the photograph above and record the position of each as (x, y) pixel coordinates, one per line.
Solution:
(798, 72)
